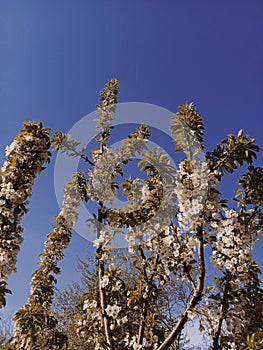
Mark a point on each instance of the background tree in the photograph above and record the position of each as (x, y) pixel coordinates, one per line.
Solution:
(69, 303)
(6, 330)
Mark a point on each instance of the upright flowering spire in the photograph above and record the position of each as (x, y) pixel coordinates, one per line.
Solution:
(36, 327)
(25, 158)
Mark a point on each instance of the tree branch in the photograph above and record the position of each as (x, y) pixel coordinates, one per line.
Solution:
(223, 310)
(102, 293)
(145, 301)
(197, 295)
(106, 321)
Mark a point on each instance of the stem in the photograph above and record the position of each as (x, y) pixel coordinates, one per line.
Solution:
(105, 318)
(81, 155)
(142, 324)
(102, 293)
(87, 159)
(145, 302)
(222, 314)
(149, 280)
(186, 270)
(197, 295)
(225, 158)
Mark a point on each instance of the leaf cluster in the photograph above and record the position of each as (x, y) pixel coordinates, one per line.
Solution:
(187, 127)
(231, 153)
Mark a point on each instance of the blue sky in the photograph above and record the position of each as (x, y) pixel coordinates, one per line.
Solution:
(57, 55)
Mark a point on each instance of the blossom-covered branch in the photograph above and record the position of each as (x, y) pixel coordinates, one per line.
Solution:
(35, 325)
(25, 158)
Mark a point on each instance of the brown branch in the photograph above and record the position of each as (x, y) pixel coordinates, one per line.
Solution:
(106, 321)
(192, 282)
(145, 301)
(223, 310)
(79, 154)
(101, 268)
(102, 293)
(86, 159)
(197, 295)
(142, 323)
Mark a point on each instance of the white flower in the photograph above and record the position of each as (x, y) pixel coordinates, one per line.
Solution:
(104, 281)
(117, 286)
(168, 240)
(124, 319)
(3, 257)
(112, 311)
(98, 242)
(112, 267)
(93, 303)
(86, 305)
(145, 192)
(155, 338)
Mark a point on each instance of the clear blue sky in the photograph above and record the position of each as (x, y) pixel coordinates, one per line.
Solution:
(57, 55)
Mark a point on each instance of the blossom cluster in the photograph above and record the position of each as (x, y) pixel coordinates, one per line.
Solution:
(131, 342)
(235, 236)
(233, 245)
(191, 192)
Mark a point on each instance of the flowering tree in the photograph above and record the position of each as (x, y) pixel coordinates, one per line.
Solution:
(175, 221)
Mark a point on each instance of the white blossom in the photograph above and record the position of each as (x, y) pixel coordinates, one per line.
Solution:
(113, 310)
